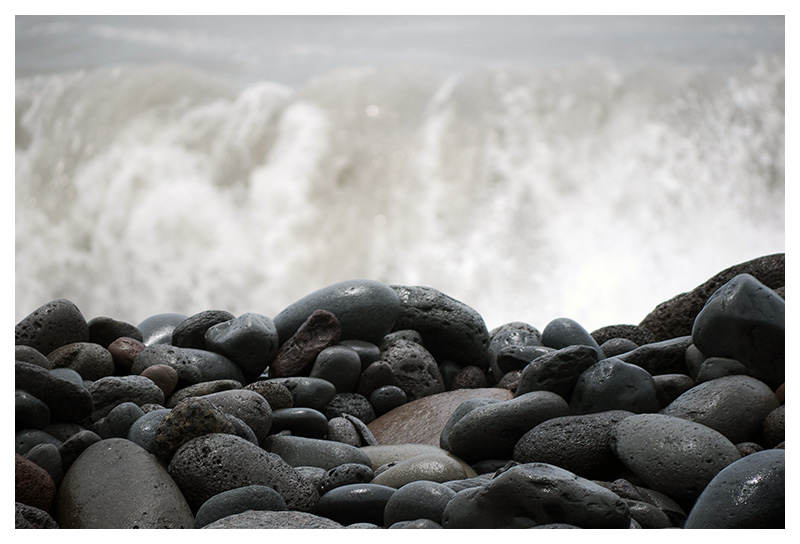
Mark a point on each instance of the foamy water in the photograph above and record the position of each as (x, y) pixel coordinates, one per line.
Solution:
(153, 175)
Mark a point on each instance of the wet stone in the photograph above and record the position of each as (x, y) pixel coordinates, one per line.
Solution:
(27, 354)
(612, 384)
(563, 332)
(123, 352)
(52, 325)
(414, 368)
(157, 329)
(665, 357)
(339, 365)
(246, 405)
(276, 394)
(249, 340)
(717, 367)
(191, 418)
(345, 474)
(164, 376)
(298, 353)
(105, 330)
(191, 332)
(300, 422)
(376, 375)
(355, 503)
(308, 392)
(349, 403)
(556, 370)
(236, 501)
(201, 389)
(89, 360)
(617, 346)
(301, 451)
(143, 430)
(111, 391)
(387, 398)
(671, 386)
(418, 500)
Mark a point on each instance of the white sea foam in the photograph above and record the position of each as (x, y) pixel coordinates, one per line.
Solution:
(587, 190)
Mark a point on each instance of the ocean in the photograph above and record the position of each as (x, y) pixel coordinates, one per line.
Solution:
(531, 167)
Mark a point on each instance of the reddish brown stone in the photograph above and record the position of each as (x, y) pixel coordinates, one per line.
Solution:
(374, 376)
(124, 350)
(33, 485)
(164, 376)
(298, 353)
(421, 421)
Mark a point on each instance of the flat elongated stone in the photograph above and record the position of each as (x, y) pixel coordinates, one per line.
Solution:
(366, 310)
(301, 451)
(298, 353)
(143, 494)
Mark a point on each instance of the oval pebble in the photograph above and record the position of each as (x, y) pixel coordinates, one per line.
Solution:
(750, 493)
(418, 500)
(238, 500)
(246, 405)
(143, 430)
(109, 392)
(105, 330)
(29, 412)
(301, 451)
(91, 361)
(563, 331)
(433, 467)
(340, 365)
(191, 332)
(672, 455)
(300, 421)
(193, 417)
(33, 485)
(119, 420)
(157, 329)
(263, 519)
(355, 503)
(345, 474)
(249, 340)
(52, 325)
(164, 376)
(349, 403)
(386, 398)
(68, 402)
(414, 369)
(612, 384)
(556, 371)
(307, 392)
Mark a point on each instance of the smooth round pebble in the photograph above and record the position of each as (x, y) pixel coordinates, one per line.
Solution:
(238, 500)
(386, 398)
(301, 451)
(249, 340)
(157, 329)
(355, 503)
(91, 361)
(340, 365)
(300, 421)
(164, 376)
(612, 384)
(418, 500)
(345, 474)
(143, 430)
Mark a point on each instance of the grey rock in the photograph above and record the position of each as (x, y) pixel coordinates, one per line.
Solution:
(368, 352)
(301, 451)
(213, 366)
(355, 503)
(672, 455)
(671, 386)
(578, 443)
(277, 394)
(104, 330)
(300, 422)
(349, 403)
(246, 405)
(119, 420)
(200, 390)
(451, 330)
(536, 494)
(563, 331)
(157, 329)
(387, 398)
(192, 417)
(26, 439)
(434, 467)
(68, 402)
(249, 340)
(130, 476)
(339, 365)
(416, 524)
(30, 517)
(647, 515)
(366, 310)
(345, 474)
(665, 357)
(717, 367)
(262, 519)
(418, 500)
(143, 430)
(774, 427)
(213, 463)
(236, 501)
(48, 457)
(89, 360)
(165, 354)
(109, 392)
(75, 445)
(52, 325)
(31, 355)
(612, 384)
(556, 371)
(515, 341)
(733, 405)
(298, 353)
(492, 430)
(634, 333)
(191, 332)
(414, 368)
(745, 320)
(617, 346)
(29, 412)
(308, 392)
(750, 493)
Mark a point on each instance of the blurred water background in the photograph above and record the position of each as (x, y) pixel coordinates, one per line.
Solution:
(531, 167)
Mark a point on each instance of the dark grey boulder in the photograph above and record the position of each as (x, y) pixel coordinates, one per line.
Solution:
(750, 493)
(672, 455)
(308, 392)
(450, 329)
(735, 406)
(213, 463)
(556, 371)
(339, 365)
(366, 309)
(563, 331)
(67, 401)
(157, 329)
(349, 403)
(345, 474)
(192, 417)
(249, 340)
(109, 392)
(665, 357)
(414, 368)
(130, 477)
(262, 519)
(238, 500)
(29, 412)
(191, 332)
(300, 421)
(745, 320)
(143, 430)
(355, 503)
(104, 330)
(300, 451)
(52, 325)
(90, 360)
(612, 384)
(166, 354)
(536, 494)
(418, 500)
(249, 406)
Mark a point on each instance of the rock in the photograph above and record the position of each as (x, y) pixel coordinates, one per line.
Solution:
(414, 369)
(52, 325)
(345, 474)
(733, 405)
(633, 333)
(492, 430)
(89, 360)
(73, 447)
(306, 392)
(665, 357)
(29, 412)
(274, 520)
(143, 431)
(201, 389)
(671, 386)
(675, 317)
(105, 330)
(111, 391)
(451, 330)
(717, 367)
(780, 392)
(366, 310)
(213, 366)
(747, 494)
(416, 524)
(236, 501)
(157, 329)
(418, 500)
(349, 403)
(300, 451)
(213, 463)
(469, 377)
(249, 340)
(164, 376)
(647, 515)
(68, 402)
(612, 384)
(421, 421)
(401, 334)
(744, 320)
(536, 494)
(774, 426)
(390, 455)
(577, 443)
(164, 354)
(242, 429)
(386, 398)
(132, 479)
(433, 467)
(123, 352)
(296, 355)
(28, 517)
(119, 420)
(26, 439)
(368, 352)
(300, 422)
(246, 405)
(32, 484)
(27, 354)
(556, 371)
(617, 346)
(349, 429)
(191, 332)
(48, 457)
(192, 417)
(377, 374)
(672, 455)
(512, 344)
(276, 394)
(339, 365)
(563, 331)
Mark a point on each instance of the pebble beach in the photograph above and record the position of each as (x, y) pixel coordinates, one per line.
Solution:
(377, 406)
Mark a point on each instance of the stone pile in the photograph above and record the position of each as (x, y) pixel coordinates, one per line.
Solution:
(366, 405)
